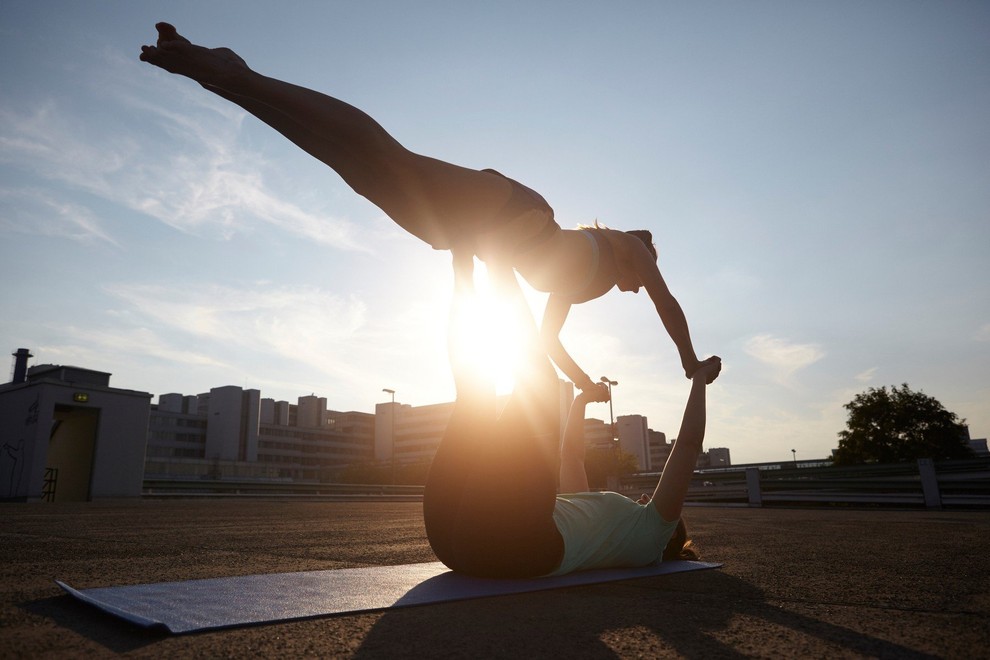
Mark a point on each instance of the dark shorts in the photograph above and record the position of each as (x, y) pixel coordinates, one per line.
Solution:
(524, 222)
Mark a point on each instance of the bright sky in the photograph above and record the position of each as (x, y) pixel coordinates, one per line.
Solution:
(815, 176)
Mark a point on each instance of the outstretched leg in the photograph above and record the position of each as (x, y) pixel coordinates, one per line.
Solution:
(436, 201)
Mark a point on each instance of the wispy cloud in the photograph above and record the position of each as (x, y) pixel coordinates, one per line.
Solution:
(33, 211)
(47, 142)
(866, 376)
(289, 339)
(983, 332)
(109, 346)
(175, 154)
(785, 358)
(303, 324)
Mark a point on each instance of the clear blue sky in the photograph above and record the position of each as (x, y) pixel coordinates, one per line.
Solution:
(815, 176)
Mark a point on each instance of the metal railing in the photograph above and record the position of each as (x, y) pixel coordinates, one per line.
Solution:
(192, 488)
(943, 484)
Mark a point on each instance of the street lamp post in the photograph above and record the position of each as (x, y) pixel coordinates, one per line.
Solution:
(794, 454)
(611, 417)
(391, 415)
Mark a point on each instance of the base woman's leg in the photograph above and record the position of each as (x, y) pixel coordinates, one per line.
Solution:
(520, 491)
(489, 500)
(468, 431)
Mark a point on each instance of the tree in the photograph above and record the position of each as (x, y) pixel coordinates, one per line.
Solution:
(897, 425)
(600, 463)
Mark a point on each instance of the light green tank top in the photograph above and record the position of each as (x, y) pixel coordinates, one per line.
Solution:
(608, 530)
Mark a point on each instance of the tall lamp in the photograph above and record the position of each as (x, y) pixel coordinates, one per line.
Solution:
(611, 417)
(391, 415)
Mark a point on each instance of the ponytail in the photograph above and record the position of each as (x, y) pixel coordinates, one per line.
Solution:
(680, 546)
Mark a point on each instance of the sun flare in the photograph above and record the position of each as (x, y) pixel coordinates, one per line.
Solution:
(488, 341)
(488, 336)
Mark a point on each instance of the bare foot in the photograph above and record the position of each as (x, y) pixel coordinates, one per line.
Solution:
(208, 66)
(167, 32)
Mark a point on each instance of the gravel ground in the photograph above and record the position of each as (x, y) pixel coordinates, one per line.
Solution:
(795, 583)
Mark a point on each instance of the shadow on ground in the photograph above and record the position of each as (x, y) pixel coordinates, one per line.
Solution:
(87, 621)
(690, 615)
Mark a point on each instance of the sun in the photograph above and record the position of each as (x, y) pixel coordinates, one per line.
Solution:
(488, 335)
(487, 341)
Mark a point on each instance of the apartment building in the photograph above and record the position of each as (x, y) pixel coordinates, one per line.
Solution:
(231, 432)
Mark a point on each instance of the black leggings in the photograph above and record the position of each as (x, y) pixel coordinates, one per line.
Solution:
(490, 495)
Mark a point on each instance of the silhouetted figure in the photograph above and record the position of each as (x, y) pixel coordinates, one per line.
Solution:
(469, 212)
(491, 506)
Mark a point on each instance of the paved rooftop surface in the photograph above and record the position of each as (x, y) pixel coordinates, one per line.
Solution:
(796, 583)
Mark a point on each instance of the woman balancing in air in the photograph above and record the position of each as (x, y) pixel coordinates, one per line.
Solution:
(469, 212)
(491, 506)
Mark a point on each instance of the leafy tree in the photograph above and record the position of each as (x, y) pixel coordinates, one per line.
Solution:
(600, 462)
(897, 425)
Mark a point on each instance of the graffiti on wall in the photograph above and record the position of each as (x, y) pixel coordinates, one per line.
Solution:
(12, 453)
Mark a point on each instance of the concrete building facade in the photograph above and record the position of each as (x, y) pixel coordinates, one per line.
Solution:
(233, 417)
(103, 442)
(715, 457)
(650, 447)
(634, 438)
(598, 434)
(659, 450)
(417, 431)
(232, 433)
(69, 436)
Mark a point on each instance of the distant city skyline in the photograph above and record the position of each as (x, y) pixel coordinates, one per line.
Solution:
(256, 435)
(178, 402)
(814, 176)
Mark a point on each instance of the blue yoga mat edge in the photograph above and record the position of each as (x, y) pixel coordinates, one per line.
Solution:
(216, 603)
(109, 608)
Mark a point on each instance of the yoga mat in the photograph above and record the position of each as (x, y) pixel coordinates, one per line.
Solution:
(195, 605)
